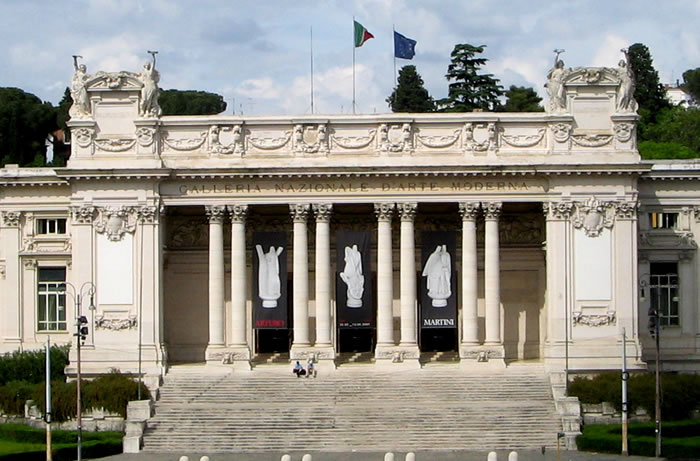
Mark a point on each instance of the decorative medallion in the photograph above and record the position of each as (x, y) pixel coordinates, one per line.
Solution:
(145, 136)
(83, 136)
(215, 145)
(11, 218)
(395, 138)
(561, 131)
(114, 222)
(593, 216)
(305, 141)
(623, 131)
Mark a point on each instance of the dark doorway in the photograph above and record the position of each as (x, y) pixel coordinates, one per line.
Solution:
(438, 339)
(272, 340)
(355, 339)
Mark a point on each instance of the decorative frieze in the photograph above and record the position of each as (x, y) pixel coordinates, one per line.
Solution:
(184, 144)
(395, 138)
(115, 145)
(115, 324)
(234, 147)
(523, 140)
(270, 143)
(306, 142)
(593, 320)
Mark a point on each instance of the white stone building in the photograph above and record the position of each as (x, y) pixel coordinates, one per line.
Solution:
(500, 236)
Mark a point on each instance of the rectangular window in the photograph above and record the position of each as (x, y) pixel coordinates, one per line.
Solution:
(663, 220)
(51, 302)
(51, 226)
(663, 289)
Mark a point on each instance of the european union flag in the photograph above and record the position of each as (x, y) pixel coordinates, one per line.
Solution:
(404, 47)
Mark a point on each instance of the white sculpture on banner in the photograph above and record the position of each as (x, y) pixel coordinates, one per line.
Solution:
(352, 276)
(269, 287)
(438, 270)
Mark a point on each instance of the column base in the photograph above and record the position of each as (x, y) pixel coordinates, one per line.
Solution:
(301, 352)
(482, 355)
(237, 357)
(407, 356)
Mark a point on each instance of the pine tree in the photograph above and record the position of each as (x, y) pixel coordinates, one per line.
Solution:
(409, 95)
(649, 93)
(470, 90)
(522, 99)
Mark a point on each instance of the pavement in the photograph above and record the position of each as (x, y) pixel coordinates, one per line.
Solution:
(433, 455)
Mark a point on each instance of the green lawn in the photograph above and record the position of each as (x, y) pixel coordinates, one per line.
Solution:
(29, 443)
(679, 439)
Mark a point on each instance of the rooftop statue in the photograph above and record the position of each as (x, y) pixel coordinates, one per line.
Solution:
(625, 92)
(555, 84)
(150, 77)
(78, 91)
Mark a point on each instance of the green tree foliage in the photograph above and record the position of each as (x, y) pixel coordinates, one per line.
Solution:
(189, 102)
(30, 366)
(62, 110)
(25, 122)
(691, 83)
(675, 126)
(522, 99)
(469, 89)
(649, 92)
(410, 95)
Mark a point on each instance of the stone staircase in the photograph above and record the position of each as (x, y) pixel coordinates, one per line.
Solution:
(438, 407)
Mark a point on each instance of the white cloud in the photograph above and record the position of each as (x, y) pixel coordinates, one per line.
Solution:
(609, 54)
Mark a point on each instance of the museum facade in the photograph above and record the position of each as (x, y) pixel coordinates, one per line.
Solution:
(499, 237)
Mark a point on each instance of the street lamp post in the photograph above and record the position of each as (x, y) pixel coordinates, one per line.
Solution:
(86, 289)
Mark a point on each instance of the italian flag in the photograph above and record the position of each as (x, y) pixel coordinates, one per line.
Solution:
(361, 34)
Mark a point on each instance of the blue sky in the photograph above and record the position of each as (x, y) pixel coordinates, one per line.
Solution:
(257, 53)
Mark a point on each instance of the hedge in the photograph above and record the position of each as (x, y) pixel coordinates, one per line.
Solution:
(680, 392)
(30, 366)
(95, 445)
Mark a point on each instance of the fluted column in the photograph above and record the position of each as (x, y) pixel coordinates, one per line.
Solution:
(407, 212)
(322, 213)
(239, 325)
(492, 275)
(215, 214)
(300, 281)
(385, 293)
(470, 315)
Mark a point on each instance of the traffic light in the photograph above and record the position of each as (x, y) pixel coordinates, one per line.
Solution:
(653, 322)
(82, 328)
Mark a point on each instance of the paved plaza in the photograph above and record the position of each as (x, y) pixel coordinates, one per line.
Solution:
(532, 455)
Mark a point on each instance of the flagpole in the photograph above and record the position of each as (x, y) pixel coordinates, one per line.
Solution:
(353, 65)
(393, 36)
(311, 45)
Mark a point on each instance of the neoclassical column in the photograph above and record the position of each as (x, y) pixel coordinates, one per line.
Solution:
(322, 213)
(215, 214)
(385, 293)
(239, 325)
(407, 212)
(492, 273)
(300, 281)
(470, 315)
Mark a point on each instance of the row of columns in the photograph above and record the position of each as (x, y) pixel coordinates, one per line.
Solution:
(300, 301)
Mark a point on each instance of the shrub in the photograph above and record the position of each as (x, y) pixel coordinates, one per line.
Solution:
(680, 392)
(30, 366)
(113, 391)
(13, 396)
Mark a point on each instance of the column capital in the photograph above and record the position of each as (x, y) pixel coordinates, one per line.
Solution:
(299, 211)
(215, 213)
(407, 210)
(83, 214)
(628, 209)
(469, 210)
(557, 210)
(11, 218)
(384, 211)
(239, 212)
(322, 212)
(492, 210)
(148, 214)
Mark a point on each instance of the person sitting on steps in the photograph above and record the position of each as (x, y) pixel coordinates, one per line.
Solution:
(299, 370)
(311, 371)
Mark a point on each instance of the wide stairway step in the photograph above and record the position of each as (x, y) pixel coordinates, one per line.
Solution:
(215, 409)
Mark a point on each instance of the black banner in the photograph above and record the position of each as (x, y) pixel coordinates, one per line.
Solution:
(353, 281)
(438, 280)
(270, 280)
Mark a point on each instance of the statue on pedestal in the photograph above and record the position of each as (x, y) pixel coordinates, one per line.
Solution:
(78, 91)
(625, 92)
(555, 84)
(148, 107)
